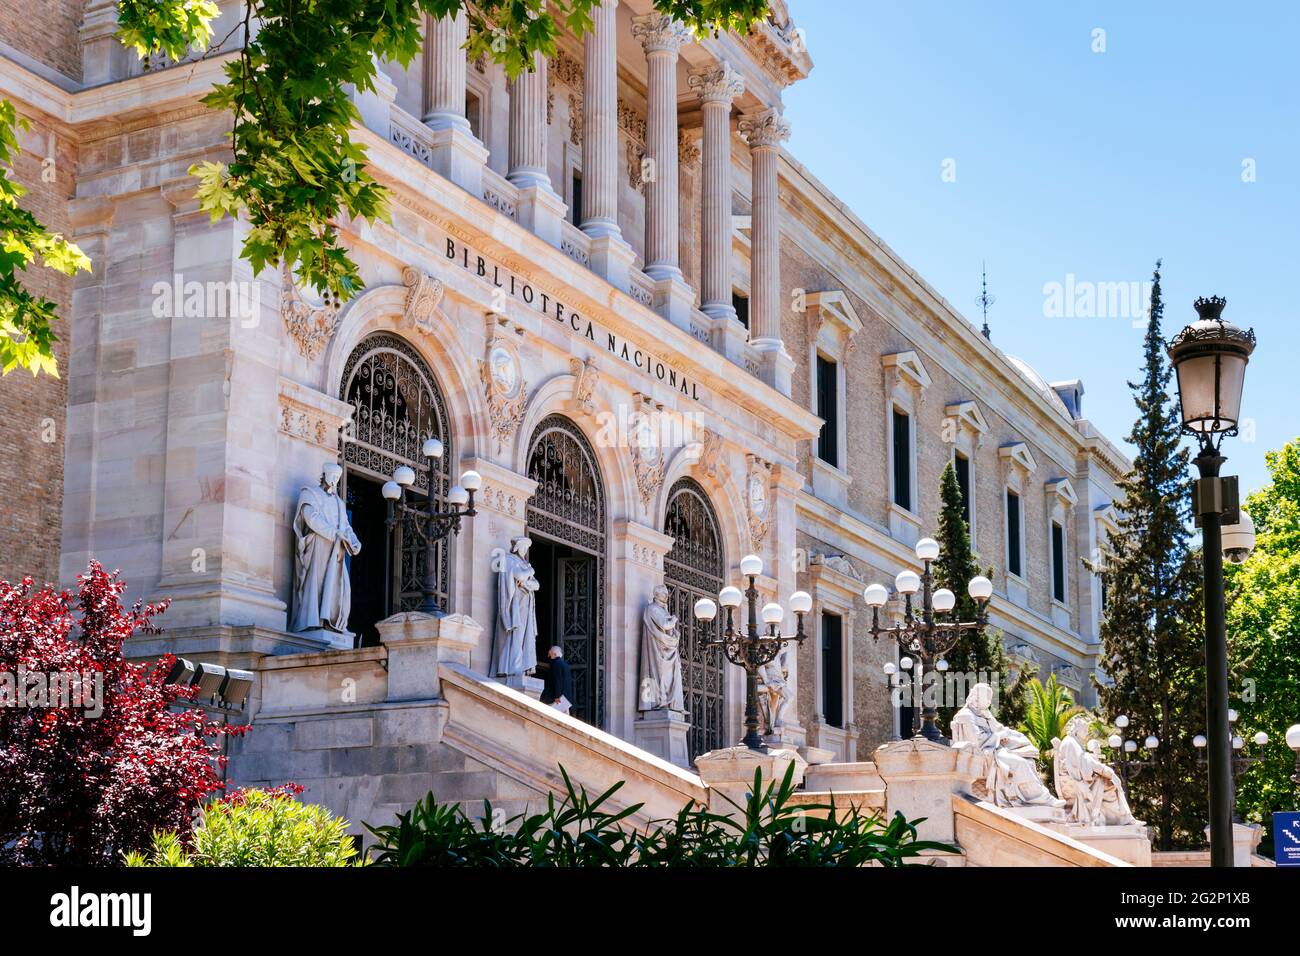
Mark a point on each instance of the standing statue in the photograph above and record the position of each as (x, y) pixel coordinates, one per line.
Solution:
(661, 657)
(515, 648)
(1092, 791)
(1011, 769)
(773, 696)
(322, 593)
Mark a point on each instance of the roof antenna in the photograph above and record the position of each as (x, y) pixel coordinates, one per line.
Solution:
(984, 300)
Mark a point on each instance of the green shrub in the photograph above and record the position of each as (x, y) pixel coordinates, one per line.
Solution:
(576, 831)
(256, 827)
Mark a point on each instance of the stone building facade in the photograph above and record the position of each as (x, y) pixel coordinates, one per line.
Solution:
(607, 289)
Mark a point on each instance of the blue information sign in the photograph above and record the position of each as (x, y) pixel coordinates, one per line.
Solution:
(1286, 839)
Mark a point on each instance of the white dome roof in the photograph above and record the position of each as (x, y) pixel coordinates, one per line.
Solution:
(1030, 375)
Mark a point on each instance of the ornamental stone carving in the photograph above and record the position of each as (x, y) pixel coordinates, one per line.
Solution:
(423, 296)
(503, 380)
(660, 33)
(647, 456)
(585, 375)
(1010, 760)
(766, 129)
(758, 498)
(310, 326)
(720, 84)
(1092, 791)
(710, 452)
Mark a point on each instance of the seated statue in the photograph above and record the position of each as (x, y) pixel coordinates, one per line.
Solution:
(1092, 791)
(1011, 768)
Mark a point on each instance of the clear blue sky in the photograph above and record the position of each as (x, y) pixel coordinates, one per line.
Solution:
(1074, 162)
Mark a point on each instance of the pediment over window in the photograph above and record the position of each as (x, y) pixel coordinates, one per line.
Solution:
(908, 368)
(1107, 516)
(832, 310)
(1061, 489)
(1019, 455)
(969, 416)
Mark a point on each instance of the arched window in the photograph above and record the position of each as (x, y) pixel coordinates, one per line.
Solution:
(566, 523)
(396, 405)
(693, 569)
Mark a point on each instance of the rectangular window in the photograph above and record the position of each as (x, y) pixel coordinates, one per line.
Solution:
(575, 208)
(961, 464)
(902, 460)
(828, 406)
(1058, 562)
(833, 669)
(741, 304)
(474, 113)
(1013, 533)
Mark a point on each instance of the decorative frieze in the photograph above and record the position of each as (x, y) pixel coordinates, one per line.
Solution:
(310, 326)
(311, 416)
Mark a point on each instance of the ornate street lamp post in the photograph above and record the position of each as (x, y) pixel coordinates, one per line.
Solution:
(924, 638)
(429, 523)
(1210, 357)
(748, 646)
(1242, 759)
(1129, 764)
(1293, 741)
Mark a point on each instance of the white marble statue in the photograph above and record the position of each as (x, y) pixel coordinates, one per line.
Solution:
(515, 648)
(1011, 768)
(661, 657)
(773, 692)
(1091, 790)
(322, 593)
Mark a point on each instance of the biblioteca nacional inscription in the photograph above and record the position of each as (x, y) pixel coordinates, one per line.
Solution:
(522, 291)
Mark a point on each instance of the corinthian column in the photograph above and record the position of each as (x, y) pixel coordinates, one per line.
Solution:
(764, 132)
(717, 87)
(456, 154)
(539, 208)
(661, 36)
(610, 256)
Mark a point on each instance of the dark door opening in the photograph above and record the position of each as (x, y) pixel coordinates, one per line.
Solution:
(566, 615)
(368, 570)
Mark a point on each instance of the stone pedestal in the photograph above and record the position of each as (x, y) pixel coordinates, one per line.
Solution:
(333, 640)
(729, 773)
(1245, 839)
(1129, 843)
(663, 733)
(459, 156)
(674, 300)
(816, 755)
(532, 686)
(541, 210)
(417, 643)
(610, 257)
(843, 777)
(920, 779)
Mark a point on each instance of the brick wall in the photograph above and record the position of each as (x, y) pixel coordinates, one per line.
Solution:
(32, 409)
(45, 30)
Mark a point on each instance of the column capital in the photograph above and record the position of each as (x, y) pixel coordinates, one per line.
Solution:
(660, 33)
(765, 129)
(717, 84)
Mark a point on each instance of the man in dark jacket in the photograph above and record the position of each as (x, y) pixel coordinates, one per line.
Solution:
(558, 688)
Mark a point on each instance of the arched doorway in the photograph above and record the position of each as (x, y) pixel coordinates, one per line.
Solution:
(396, 405)
(566, 523)
(693, 569)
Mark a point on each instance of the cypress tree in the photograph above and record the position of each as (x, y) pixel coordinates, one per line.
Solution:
(973, 654)
(1150, 641)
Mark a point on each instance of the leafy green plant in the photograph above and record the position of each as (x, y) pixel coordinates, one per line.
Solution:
(769, 829)
(1048, 708)
(295, 166)
(256, 827)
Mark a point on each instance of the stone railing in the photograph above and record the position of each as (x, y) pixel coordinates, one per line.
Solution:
(500, 193)
(410, 135)
(641, 288)
(575, 243)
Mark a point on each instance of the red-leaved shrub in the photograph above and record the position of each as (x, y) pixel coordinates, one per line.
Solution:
(82, 789)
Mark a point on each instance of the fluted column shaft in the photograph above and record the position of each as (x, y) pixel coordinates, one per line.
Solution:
(444, 74)
(661, 37)
(717, 88)
(528, 126)
(765, 131)
(600, 123)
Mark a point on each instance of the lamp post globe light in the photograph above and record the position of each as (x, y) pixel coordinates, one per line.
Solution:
(922, 636)
(1293, 741)
(1129, 764)
(426, 520)
(1242, 758)
(751, 646)
(1209, 357)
